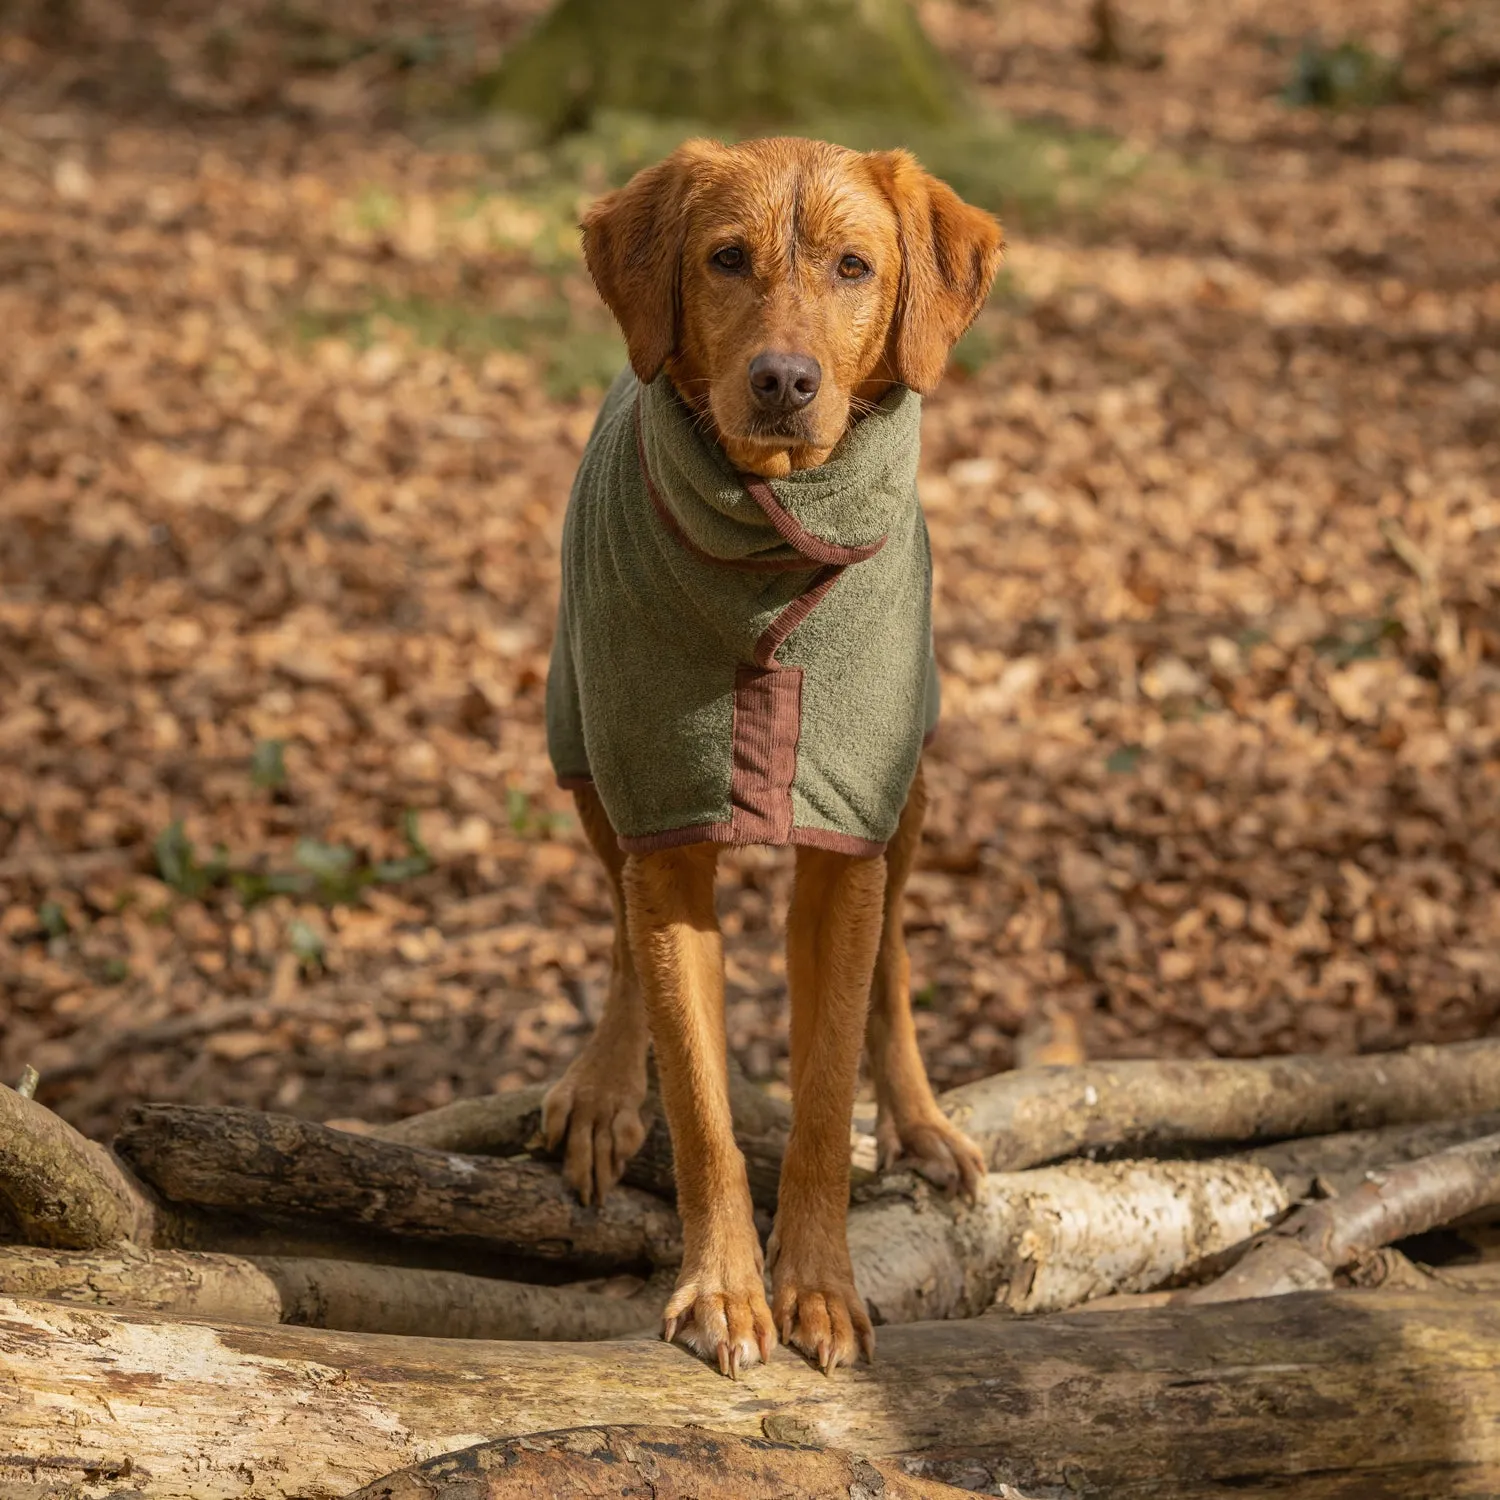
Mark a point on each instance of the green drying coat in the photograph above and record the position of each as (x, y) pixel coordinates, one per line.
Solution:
(740, 660)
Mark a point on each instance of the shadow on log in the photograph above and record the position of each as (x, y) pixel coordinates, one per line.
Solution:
(666, 1463)
(1374, 1395)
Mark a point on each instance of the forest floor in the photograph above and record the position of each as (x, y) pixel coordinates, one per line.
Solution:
(293, 379)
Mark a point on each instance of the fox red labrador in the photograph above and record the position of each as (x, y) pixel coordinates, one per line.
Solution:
(744, 656)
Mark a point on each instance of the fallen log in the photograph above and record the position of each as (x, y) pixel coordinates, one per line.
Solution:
(1322, 1238)
(666, 1463)
(1375, 1395)
(1048, 1239)
(315, 1293)
(58, 1188)
(1041, 1240)
(239, 1158)
(511, 1123)
(1037, 1115)
(1031, 1116)
(1336, 1164)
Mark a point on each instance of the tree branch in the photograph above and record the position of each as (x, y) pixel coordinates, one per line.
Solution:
(323, 1294)
(1031, 1116)
(241, 1159)
(1322, 1238)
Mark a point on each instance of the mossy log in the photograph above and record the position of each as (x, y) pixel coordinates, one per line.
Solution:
(1338, 1395)
(753, 64)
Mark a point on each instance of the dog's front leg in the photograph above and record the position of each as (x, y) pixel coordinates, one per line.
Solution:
(719, 1306)
(833, 932)
(596, 1104)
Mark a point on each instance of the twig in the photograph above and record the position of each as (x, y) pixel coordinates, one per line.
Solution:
(41, 865)
(1323, 1238)
(172, 1029)
(1442, 629)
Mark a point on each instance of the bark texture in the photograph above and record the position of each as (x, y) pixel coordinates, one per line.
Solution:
(1335, 1234)
(1374, 1395)
(1048, 1239)
(323, 1294)
(243, 1160)
(1336, 1164)
(666, 1463)
(57, 1188)
(1028, 1117)
(509, 1124)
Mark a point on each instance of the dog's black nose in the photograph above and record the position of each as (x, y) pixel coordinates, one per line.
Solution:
(783, 382)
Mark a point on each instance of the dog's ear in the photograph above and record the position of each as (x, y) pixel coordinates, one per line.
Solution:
(950, 252)
(632, 244)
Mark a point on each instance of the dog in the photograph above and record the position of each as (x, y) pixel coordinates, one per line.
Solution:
(747, 501)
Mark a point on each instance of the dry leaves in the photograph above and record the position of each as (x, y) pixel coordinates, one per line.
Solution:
(1217, 533)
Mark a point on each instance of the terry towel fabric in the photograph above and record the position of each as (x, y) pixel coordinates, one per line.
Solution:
(741, 660)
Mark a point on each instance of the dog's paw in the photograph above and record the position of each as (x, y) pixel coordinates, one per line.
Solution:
(820, 1313)
(722, 1317)
(597, 1108)
(934, 1146)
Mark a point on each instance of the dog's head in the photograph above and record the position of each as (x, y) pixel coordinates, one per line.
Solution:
(786, 284)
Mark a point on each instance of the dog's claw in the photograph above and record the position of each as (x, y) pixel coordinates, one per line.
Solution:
(937, 1149)
(593, 1112)
(829, 1325)
(722, 1320)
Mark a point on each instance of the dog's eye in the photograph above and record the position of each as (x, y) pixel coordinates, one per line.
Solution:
(851, 268)
(730, 258)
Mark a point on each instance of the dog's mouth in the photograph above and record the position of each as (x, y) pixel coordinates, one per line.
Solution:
(790, 427)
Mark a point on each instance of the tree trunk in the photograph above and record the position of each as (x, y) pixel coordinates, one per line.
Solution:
(756, 64)
(1347, 1394)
